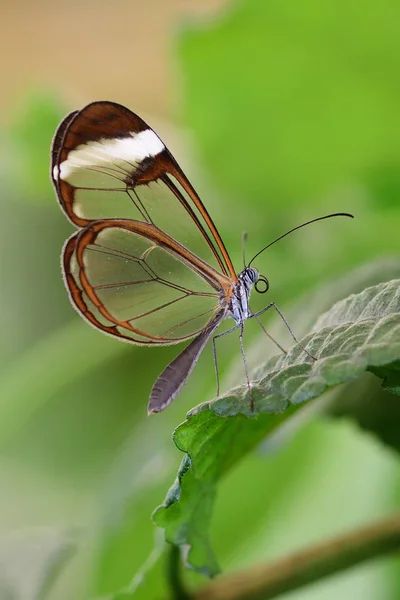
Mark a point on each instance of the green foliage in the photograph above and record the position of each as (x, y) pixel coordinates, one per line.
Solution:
(299, 93)
(25, 388)
(33, 126)
(359, 333)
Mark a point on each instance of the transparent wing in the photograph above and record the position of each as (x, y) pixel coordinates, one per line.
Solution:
(135, 282)
(108, 163)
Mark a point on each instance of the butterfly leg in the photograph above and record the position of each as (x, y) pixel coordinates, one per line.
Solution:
(255, 316)
(215, 352)
(246, 370)
(273, 305)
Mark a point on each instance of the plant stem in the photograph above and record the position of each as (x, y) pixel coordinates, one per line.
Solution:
(306, 566)
(174, 575)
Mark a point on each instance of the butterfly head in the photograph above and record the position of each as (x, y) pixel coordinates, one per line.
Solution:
(250, 276)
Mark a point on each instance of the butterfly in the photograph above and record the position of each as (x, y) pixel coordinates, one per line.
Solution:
(146, 264)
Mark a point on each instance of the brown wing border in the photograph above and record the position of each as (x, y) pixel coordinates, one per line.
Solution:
(75, 247)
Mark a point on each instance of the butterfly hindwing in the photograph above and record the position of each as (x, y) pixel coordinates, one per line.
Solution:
(133, 281)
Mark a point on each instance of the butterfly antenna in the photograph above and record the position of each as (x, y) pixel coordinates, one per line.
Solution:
(244, 238)
(299, 227)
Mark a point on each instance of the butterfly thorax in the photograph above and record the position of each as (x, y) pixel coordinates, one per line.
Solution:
(238, 307)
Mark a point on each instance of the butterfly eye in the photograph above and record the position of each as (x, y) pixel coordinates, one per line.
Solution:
(262, 285)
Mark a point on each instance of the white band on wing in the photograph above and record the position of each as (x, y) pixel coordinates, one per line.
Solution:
(132, 149)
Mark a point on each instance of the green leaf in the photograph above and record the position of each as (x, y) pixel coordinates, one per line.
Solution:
(213, 445)
(357, 334)
(372, 406)
(390, 376)
(30, 561)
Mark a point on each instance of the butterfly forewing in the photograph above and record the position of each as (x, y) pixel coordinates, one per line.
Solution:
(108, 163)
(132, 287)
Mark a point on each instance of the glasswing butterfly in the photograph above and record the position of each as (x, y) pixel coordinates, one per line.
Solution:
(147, 264)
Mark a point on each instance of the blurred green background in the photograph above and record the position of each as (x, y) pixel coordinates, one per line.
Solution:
(278, 112)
